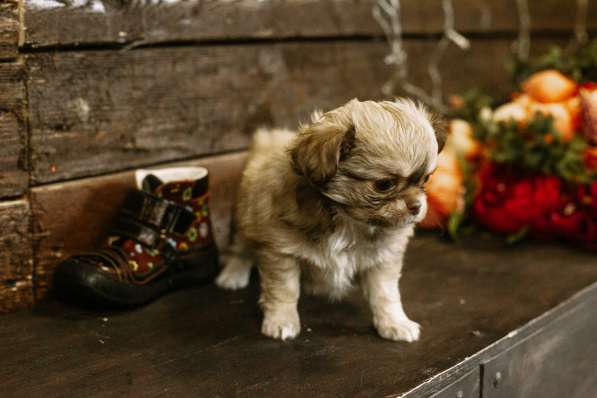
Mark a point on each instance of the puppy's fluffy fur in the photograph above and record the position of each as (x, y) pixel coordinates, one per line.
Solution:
(333, 205)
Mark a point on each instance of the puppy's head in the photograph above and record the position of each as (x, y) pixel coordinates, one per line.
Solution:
(372, 159)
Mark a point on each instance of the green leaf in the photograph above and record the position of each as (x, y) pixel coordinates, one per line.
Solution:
(454, 222)
(517, 236)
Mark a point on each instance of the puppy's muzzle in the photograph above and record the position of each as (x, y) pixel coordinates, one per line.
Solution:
(414, 207)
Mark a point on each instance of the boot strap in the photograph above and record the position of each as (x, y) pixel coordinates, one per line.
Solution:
(145, 235)
(164, 215)
(136, 231)
(147, 219)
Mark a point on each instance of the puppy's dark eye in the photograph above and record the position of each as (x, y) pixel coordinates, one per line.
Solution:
(384, 185)
(426, 178)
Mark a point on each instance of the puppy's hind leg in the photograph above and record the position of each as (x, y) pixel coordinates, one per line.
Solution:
(236, 270)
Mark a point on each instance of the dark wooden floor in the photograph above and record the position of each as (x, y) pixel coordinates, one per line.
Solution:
(206, 343)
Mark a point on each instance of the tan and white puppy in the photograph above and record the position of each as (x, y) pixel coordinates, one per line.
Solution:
(333, 205)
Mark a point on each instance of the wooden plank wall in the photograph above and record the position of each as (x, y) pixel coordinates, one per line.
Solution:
(91, 90)
(16, 248)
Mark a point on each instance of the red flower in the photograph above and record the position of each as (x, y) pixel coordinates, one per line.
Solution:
(566, 223)
(574, 220)
(502, 201)
(590, 158)
(589, 86)
(587, 197)
(547, 194)
(585, 229)
(508, 203)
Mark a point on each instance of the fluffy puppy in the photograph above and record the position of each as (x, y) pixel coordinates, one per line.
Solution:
(331, 206)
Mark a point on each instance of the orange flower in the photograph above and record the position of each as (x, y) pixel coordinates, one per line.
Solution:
(456, 101)
(575, 109)
(460, 139)
(522, 109)
(549, 86)
(512, 111)
(562, 119)
(445, 190)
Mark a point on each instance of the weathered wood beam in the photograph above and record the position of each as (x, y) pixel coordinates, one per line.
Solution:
(9, 29)
(16, 259)
(52, 23)
(94, 112)
(13, 131)
(73, 217)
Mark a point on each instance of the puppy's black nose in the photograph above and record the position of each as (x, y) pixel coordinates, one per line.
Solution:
(414, 208)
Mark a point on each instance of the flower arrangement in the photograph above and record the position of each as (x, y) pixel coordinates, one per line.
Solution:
(527, 166)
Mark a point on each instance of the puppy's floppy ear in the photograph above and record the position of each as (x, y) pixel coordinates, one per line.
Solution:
(319, 148)
(440, 126)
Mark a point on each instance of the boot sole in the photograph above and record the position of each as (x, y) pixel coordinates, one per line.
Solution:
(92, 287)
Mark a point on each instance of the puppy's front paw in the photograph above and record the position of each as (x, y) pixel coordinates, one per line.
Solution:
(232, 280)
(399, 330)
(281, 324)
(235, 275)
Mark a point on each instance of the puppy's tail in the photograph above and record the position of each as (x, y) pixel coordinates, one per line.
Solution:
(268, 140)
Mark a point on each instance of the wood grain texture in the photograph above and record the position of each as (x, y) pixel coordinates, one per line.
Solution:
(551, 363)
(12, 92)
(95, 112)
(153, 21)
(9, 29)
(206, 342)
(101, 111)
(468, 386)
(16, 259)
(74, 217)
(13, 133)
(13, 179)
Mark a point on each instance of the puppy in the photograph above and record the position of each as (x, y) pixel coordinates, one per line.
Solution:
(331, 206)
